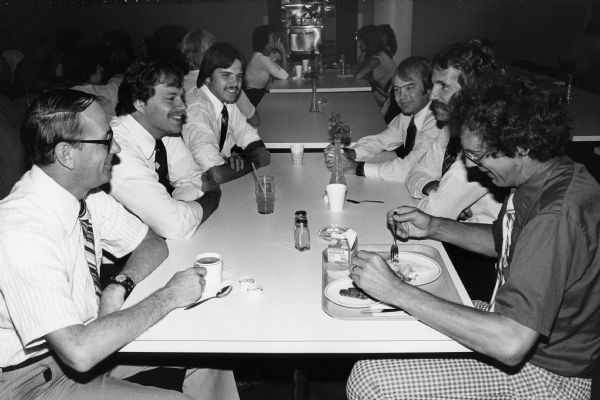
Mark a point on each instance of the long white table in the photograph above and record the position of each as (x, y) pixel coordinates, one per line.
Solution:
(328, 82)
(285, 118)
(287, 316)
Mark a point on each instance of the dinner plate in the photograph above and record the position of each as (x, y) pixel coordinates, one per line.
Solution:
(332, 292)
(326, 231)
(418, 269)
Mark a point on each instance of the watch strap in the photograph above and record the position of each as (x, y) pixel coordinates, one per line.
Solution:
(126, 283)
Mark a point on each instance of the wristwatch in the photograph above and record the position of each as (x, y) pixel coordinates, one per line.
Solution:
(124, 281)
(360, 169)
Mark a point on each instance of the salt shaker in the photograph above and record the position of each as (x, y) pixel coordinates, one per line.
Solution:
(301, 232)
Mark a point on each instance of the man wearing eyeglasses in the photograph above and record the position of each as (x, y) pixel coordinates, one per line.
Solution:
(57, 321)
(539, 336)
(408, 138)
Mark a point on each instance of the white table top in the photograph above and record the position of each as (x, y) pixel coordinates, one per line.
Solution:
(285, 118)
(329, 81)
(287, 316)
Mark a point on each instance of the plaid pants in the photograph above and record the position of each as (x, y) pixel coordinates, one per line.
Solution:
(418, 379)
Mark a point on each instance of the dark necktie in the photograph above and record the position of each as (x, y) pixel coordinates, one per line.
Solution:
(451, 153)
(224, 122)
(88, 236)
(409, 140)
(161, 166)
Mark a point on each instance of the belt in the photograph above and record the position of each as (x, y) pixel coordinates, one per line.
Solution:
(26, 363)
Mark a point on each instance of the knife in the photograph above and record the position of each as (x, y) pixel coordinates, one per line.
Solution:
(380, 310)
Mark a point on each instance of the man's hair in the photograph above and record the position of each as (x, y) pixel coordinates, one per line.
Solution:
(419, 67)
(260, 37)
(51, 118)
(140, 79)
(472, 58)
(194, 45)
(511, 112)
(220, 55)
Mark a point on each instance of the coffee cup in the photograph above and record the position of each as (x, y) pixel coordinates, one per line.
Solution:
(213, 263)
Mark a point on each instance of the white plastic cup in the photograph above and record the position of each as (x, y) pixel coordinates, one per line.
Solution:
(336, 194)
(305, 66)
(297, 71)
(297, 150)
(213, 262)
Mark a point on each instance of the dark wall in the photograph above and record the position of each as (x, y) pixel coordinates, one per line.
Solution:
(228, 20)
(533, 30)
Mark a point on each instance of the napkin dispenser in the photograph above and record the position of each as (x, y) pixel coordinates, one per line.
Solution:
(341, 247)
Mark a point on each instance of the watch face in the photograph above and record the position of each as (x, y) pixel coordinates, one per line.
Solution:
(120, 278)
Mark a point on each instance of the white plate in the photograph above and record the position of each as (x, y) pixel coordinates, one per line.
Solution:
(332, 292)
(418, 268)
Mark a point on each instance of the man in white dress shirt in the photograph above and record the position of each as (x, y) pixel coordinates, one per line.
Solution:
(455, 191)
(223, 143)
(412, 134)
(56, 321)
(447, 191)
(157, 178)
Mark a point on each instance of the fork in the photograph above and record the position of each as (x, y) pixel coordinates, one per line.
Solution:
(394, 247)
(363, 201)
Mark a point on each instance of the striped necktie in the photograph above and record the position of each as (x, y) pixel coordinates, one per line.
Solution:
(161, 165)
(85, 219)
(409, 140)
(508, 222)
(224, 122)
(451, 153)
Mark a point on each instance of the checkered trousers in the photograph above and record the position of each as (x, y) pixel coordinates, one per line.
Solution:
(463, 379)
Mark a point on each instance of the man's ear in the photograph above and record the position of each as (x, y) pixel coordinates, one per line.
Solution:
(63, 153)
(207, 80)
(139, 105)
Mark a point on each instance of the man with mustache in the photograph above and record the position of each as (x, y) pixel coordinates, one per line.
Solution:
(223, 143)
(58, 324)
(157, 178)
(446, 190)
(411, 134)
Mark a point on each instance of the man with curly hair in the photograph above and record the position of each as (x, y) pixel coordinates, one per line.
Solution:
(539, 337)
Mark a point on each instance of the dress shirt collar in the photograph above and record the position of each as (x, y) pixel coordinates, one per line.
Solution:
(141, 136)
(62, 202)
(217, 104)
(421, 115)
(529, 192)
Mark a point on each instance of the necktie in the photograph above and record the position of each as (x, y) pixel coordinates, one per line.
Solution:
(85, 220)
(409, 141)
(508, 222)
(451, 153)
(224, 122)
(160, 163)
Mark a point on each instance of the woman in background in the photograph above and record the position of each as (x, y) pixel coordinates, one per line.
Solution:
(193, 47)
(263, 66)
(375, 61)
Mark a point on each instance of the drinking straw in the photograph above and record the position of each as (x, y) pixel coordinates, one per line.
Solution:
(262, 187)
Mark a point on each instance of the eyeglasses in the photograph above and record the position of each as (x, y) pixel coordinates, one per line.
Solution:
(107, 142)
(475, 159)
